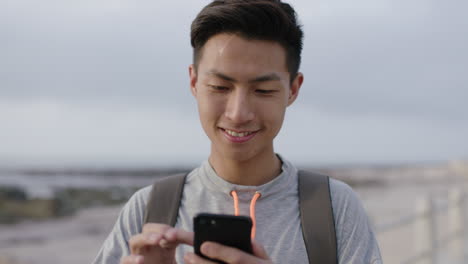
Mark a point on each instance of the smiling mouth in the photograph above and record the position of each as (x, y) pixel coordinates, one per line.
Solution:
(238, 136)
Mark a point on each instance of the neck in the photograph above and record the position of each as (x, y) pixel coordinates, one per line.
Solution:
(253, 172)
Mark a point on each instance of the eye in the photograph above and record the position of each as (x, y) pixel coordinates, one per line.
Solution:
(219, 88)
(261, 91)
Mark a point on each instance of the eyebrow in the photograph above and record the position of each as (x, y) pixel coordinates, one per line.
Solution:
(262, 78)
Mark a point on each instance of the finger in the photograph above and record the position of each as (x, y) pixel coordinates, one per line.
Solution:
(138, 242)
(132, 259)
(155, 228)
(259, 250)
(172, 236)
(225, 253)
(175, 235)
(191, 258)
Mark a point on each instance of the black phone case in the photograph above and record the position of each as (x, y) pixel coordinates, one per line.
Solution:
(229, 230)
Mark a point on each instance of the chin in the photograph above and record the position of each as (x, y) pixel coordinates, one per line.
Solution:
(240, 155)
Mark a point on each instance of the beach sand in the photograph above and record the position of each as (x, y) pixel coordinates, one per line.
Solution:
(70, 240)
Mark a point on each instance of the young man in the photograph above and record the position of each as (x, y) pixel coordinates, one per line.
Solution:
(244, 76)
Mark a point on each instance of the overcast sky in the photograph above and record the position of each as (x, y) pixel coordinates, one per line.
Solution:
(105, 82)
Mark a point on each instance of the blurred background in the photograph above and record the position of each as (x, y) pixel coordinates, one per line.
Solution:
(95, 103)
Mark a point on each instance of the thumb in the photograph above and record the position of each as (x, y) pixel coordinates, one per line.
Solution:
(259, 251)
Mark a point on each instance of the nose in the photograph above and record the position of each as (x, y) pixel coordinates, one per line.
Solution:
(239, 109)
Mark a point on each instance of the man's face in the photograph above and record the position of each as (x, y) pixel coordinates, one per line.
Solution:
(242, 88)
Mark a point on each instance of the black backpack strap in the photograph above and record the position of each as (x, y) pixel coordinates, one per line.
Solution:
(163, 204)
(318, 224)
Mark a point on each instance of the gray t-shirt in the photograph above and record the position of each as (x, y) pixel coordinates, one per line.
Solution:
(277, 217)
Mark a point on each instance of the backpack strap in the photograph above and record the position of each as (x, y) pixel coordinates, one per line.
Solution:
(318, 225)
(163, 204)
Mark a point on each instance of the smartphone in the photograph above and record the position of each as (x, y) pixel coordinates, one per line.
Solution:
(229, 230)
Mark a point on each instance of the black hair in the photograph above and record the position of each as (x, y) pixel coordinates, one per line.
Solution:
(270, 20)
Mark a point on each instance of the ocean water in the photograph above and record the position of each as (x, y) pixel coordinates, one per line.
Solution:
(44, 186)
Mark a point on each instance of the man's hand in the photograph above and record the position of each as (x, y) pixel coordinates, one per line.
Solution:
(156, 244)
(228, 254)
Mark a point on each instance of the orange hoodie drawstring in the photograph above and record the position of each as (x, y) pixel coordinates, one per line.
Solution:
(252, 209)
(252, 213)
(236, 202)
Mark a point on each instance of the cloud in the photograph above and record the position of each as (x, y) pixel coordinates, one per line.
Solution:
(101, 78)
(57, 133)
(94, 49)
(407, 60)
(313, 137)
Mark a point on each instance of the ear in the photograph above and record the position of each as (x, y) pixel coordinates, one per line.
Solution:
(294, 89)
(193, 79)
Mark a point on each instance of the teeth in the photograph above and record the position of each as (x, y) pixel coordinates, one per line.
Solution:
(235, 134)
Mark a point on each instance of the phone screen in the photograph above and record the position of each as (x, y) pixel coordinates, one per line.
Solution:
(229, 230)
